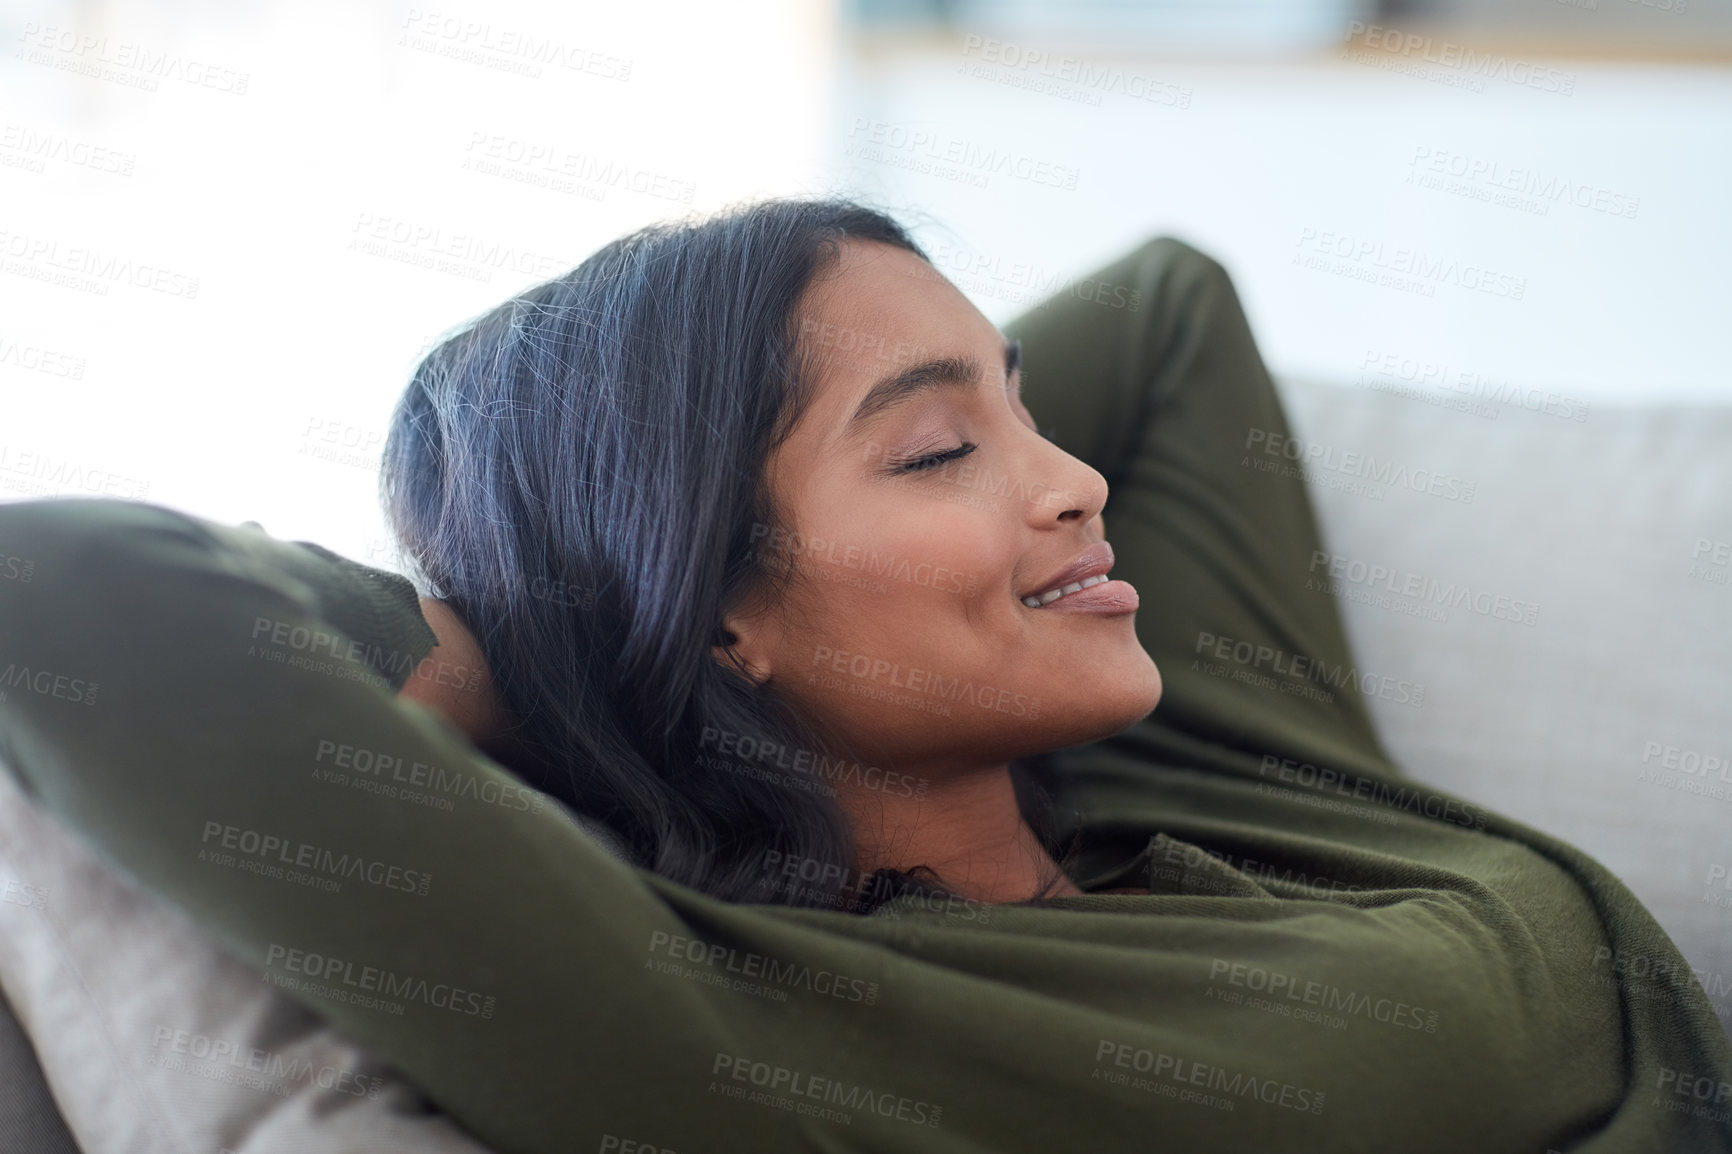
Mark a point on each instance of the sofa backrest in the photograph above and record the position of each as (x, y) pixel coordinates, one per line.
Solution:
(1558, 577)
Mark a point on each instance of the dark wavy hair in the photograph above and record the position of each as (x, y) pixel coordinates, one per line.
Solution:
(580, 473)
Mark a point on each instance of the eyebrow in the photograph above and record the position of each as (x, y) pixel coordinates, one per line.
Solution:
(925, 377)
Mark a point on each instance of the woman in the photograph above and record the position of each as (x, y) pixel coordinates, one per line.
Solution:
(702, 508)
(732, 538)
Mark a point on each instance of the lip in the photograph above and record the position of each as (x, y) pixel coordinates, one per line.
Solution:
(1094, 561)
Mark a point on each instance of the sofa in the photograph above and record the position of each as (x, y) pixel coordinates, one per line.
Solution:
(1554, 576)
(1578, 676)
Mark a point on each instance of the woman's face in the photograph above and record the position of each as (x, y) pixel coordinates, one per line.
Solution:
(905, 630)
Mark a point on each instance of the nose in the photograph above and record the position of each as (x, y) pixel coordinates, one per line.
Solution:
(1076, 493)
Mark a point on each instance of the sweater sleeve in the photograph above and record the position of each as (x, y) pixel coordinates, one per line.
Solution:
(216, 713)
(375, 607)
(186, 697)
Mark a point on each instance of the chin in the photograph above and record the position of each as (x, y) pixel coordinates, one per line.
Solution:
(1143, 703)
(1104, 724)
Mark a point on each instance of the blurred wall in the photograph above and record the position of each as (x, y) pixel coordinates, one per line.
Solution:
(1459, 207)
(228, 232)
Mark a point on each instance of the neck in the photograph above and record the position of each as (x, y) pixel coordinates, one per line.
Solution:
(967, 827)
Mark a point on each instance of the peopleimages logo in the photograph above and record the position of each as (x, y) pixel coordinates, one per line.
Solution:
(1394, 370)
(1699, 1095)
(1329, 999)
(48, 683)
(923, 686)
(1313, 456)
(17, 892)
(785, 1088)
(1024, 282)
(1423, 591)
(866, 560)
(1294, 672)
(547, 164)
(1467, 67)
(1089, 79)
(1718, 872)
(1688, 761)
(887, 143)
(748, 749)
(268, 854)
(1232, 1086)
(37, 359)
(43, 258)
(752, 970)
(1410, 264)
(323, 969)
(1326, 779)
(506, 49)
(1519, 180)
(1711, 561)
(377, 771)
(36, 148)
(443, 250)
(171, 1048)
(30, 471)
(122, 61)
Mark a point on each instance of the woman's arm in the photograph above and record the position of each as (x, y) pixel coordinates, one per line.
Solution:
(217, 713)
(372, 605)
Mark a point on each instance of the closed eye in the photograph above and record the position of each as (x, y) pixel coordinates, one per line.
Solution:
(1012, 365)
(933, 460)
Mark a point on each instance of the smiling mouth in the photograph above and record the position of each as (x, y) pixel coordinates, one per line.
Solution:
(1038, 600)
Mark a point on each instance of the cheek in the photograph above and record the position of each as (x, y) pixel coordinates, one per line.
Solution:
(905, 571)
(952, 560)
(961, 525)
(915, 588)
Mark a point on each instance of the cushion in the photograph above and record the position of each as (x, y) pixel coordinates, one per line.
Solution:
(153, 1039)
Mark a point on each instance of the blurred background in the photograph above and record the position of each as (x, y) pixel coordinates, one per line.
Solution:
(229, 231)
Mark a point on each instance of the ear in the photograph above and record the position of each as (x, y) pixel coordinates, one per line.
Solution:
(749, 638)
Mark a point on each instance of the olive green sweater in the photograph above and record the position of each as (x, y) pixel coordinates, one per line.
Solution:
(1352, 967)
